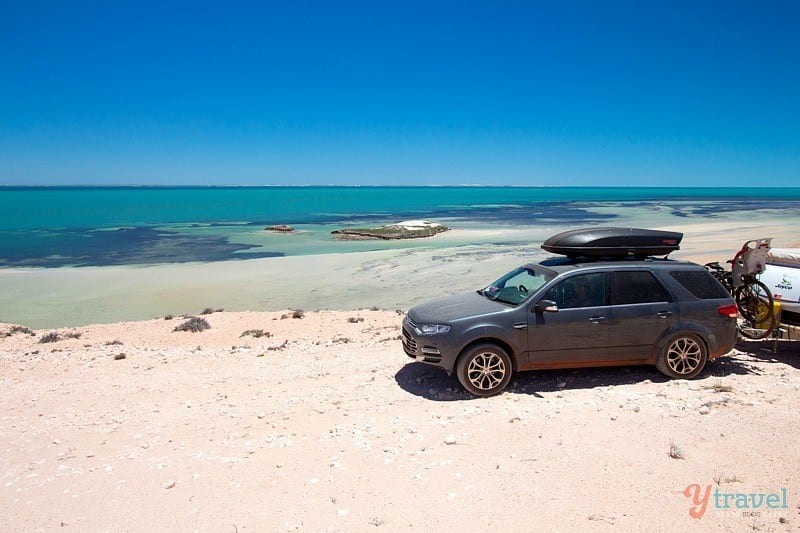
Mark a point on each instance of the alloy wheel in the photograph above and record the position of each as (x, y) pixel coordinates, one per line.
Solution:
(684, 356)
(486, 371)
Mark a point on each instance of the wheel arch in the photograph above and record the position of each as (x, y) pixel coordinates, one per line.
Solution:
(705, 335)
(490, 340)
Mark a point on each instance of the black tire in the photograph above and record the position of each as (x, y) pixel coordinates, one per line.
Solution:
(682, 356)
(755, 304)
(484, 370)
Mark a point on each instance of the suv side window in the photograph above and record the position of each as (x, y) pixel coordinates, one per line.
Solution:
(701, 284)
(583, 290)
(637, 287)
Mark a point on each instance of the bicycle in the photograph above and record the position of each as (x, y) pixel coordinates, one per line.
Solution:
(753, 298)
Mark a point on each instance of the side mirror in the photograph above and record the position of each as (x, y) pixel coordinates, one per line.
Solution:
(546, 306)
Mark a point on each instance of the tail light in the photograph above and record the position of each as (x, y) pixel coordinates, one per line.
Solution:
(730, 310)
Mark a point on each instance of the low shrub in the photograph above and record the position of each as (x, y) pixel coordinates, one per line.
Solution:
(54, 336)
(278, 348)
(50, 337)
(17, 329)
(194, 324)
(256, 333)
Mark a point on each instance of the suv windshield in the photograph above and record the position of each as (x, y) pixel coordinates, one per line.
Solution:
(517, 285)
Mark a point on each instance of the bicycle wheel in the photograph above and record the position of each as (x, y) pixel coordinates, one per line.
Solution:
(755, 304)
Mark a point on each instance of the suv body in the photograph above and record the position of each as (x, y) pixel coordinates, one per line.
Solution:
(568, 313)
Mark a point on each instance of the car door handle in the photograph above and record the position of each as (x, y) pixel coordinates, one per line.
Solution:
(665, 314)
(597, 319)
(520, 325)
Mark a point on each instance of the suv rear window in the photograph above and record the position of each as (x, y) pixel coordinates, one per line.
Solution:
(701, 284)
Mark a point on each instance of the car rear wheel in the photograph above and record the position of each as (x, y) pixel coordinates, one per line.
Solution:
(682, 356)
(484, 370)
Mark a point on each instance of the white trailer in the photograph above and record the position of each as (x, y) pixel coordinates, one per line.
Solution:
(782, 276)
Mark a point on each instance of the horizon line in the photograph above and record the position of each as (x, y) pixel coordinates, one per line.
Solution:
(356, 186)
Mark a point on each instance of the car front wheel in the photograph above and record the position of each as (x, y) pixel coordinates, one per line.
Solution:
(484, 370)
(682, 357)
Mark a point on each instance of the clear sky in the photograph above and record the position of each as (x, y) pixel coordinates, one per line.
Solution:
(400, 92)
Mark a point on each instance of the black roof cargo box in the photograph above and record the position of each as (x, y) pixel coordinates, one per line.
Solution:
(613, 242)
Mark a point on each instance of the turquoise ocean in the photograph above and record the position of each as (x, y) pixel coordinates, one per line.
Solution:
(97, 226)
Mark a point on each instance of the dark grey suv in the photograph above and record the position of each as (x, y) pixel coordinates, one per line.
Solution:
(568, 312)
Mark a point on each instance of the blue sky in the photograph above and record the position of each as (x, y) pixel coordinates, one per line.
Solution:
(500, 93)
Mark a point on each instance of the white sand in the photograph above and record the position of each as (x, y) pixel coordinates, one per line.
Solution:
(328, 426)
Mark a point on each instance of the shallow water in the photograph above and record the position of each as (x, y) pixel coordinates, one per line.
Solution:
(60, 227)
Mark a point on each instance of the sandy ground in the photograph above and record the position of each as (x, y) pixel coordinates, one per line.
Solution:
(325, 425)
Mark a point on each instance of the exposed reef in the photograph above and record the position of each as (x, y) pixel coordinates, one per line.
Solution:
(411, 229)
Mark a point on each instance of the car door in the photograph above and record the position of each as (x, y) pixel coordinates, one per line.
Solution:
(577, 333)
(642, 310)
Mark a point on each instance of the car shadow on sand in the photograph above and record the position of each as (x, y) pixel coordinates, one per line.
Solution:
(434, 384)
(772, 351)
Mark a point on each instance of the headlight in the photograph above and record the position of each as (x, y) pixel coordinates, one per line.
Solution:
(431, 329)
